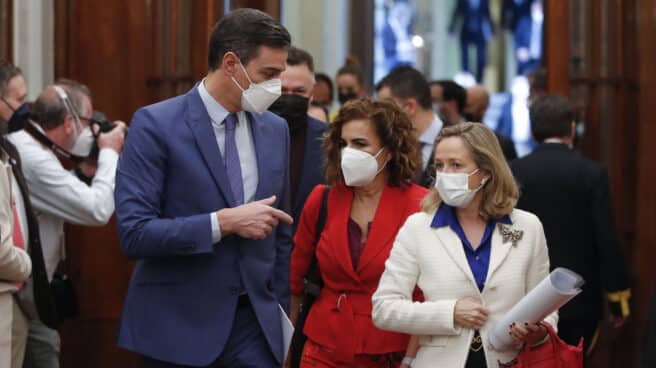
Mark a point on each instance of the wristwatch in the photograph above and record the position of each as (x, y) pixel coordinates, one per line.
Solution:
(408, 360)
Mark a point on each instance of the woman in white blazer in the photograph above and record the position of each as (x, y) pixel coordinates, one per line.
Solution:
(472, 254)
(15, 267)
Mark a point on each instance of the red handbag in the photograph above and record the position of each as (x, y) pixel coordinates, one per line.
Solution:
(555, 353)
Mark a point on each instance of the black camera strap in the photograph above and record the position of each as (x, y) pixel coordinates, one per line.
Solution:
(58, 150)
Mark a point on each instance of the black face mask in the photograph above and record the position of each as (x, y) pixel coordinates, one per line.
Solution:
(344, 97)
(292, 108)
(18, 118)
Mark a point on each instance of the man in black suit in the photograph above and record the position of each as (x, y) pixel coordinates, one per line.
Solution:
(476, 30)
(409, 88)
(306, 133)
(570, 194)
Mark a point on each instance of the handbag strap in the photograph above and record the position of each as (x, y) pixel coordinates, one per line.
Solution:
(312, 280)
(553, 338)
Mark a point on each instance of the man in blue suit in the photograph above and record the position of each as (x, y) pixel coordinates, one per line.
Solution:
(202, 191)
(306, 134)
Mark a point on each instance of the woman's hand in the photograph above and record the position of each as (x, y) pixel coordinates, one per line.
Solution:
(469, 312)
(530, 333)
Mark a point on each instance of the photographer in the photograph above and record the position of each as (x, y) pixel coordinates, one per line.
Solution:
(57, 138)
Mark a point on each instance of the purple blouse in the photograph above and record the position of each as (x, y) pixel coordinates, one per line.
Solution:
(356, 247)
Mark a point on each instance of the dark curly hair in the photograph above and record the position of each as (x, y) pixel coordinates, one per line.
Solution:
(392, 126)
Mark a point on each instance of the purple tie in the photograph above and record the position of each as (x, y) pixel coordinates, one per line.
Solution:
(233, 168)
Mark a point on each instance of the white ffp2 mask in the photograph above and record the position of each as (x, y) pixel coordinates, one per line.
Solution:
(454, 188)
(259, 96)
(358, 167)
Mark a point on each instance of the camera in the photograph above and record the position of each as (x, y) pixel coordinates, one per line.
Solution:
(99, 123)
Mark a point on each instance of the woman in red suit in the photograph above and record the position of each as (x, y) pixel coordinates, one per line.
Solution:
(371, 157)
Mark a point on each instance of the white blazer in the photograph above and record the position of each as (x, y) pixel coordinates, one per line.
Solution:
(434, 260)
(15, 264)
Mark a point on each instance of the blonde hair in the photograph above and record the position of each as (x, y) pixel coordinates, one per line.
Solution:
(500, 193)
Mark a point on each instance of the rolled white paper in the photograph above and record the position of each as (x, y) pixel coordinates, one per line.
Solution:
(559, 287)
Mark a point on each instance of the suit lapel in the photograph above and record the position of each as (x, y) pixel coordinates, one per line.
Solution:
(201, 127)
(260, 131)
(342, 207)
(453, 246)
(387, 220)
(499, 251)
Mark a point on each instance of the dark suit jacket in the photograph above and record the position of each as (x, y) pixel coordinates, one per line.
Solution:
(476, 23)
(312, 173)
(184, 289)
(43, 298)
(570, 195)
(507, 146)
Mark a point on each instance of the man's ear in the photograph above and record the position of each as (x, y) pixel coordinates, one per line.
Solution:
(230, 63)
(410, 106)
(69, 123)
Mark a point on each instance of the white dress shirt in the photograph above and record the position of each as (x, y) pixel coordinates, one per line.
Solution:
(427, 140)
(245, 146)
(58, 196)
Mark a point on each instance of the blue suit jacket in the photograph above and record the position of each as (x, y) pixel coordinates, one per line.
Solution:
(312, 173)
(183, 293)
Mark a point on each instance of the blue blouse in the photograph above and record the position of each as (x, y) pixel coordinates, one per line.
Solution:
(479, 259)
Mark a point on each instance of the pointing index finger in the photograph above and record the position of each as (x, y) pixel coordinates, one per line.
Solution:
(281, 215)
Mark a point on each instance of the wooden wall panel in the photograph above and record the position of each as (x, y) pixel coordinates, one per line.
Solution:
(645, 252)
(556, 46)
(6, 30)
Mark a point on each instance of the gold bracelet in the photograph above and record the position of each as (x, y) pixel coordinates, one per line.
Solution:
(544, 339)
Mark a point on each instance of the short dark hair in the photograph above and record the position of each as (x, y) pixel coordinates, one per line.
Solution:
(538, 80)
(453, 91)
(296, 56)
(351, 66)
(322, 77)
(243, 31)
(50, 112)
(7, 72)
(408, 82)
(551, 116)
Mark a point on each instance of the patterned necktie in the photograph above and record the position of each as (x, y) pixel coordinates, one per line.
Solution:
(233, 167)
(18, 239)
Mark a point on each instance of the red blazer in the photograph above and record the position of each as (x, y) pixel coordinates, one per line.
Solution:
(340, 319)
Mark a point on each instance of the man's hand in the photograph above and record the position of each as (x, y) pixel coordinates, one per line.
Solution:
(253, 220)
(113, 139)
(88, 168)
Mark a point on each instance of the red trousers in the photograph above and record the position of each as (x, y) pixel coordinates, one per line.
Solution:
(317, 356)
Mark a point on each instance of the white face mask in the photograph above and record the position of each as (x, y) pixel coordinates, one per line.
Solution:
(83, 143)
(259, 96)
(358, 167)
(454, 188)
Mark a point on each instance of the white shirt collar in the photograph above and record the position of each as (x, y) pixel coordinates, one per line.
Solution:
(429, 135)
(215, 110)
